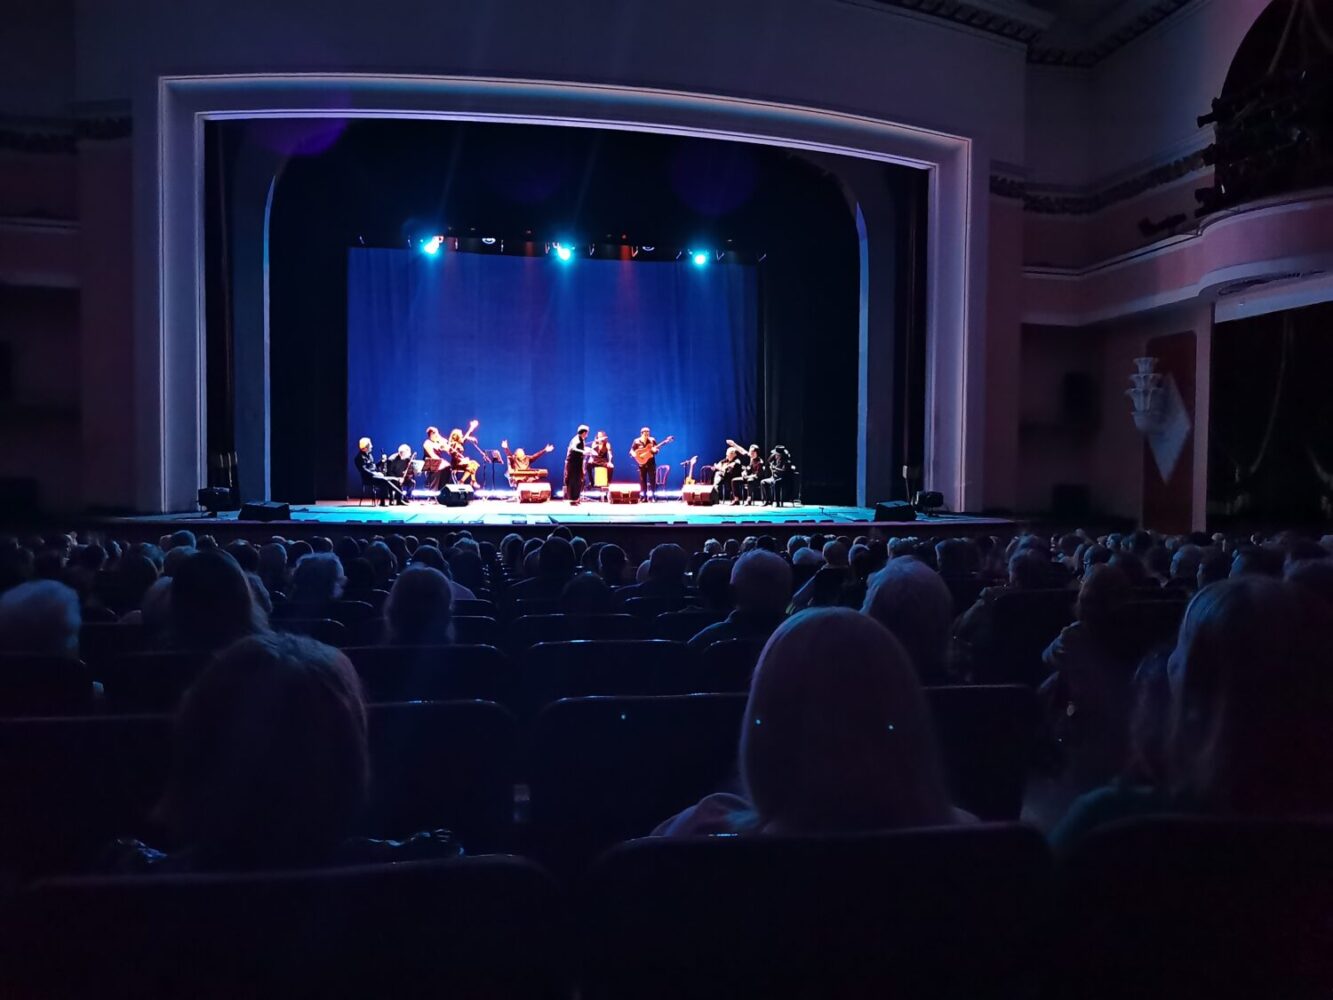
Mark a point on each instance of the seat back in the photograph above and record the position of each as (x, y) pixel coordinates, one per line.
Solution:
(1185, 907)
(32, 684)
(464, 606)
(476, 630)
(70, 786)
(325, 630)
(651, 607)
(952, 912)
(606, 769)
(722, 666)
(1152, 623)
(433, 673)
(685, 624)
(529, 630)
(1025, 622)
(486, 926)
(550, 671)
(986, 735)
(448, 765)
(100, 641)
(346, 612)
(149, 682)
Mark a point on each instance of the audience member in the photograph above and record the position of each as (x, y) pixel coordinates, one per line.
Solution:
(317, 580)
(419, 608)
(665, 576)
(42, 617)
(587, 594)
(761, 588)
(912, 601)
(713, 581)
(211, 605)
(836, 737)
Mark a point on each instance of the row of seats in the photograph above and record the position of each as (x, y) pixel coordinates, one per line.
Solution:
(1153, 910)
(598, 769)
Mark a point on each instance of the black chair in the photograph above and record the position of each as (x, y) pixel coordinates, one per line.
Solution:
(550, 671)
(1025, 622)
(953, 912)
(149, 682)
(1151, 624)
(651, 607)
(325, 630)
(721, 667)
(346, 612)
(685, 624)
(529, 630)
(986, 734)
(443, 764)
(476, 630)
(1184, 907)
(100, 642)
(70, 786)
(604, 769)
(965, 590)
(433, 673)
(472, 927)
(533, 606)
(31, 684)
(484, 609)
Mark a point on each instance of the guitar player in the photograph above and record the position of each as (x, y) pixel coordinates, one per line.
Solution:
(644, 449)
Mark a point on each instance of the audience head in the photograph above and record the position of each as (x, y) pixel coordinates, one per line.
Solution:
(1258, 560)
(317, 579)
(1251, 701)
(1315, 576)
(41, 616)
(1101, 599)
(714, 582)
(667, 563)
(211, 604)
(419, 608)
(586, 594)
(1185, 564)
(556, 560)
(835, 554)
(611, 562)
(270, 767)
(731, 548)
(761, 583)
(956, 557)
(1029, 569)
(913, 602)
(836, 735)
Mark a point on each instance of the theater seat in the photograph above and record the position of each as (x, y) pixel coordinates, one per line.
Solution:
(651, 607)
(149, 682)
(99, 642)
(31, 684)
(476, 630)
(443, 764)
(70, 786)
(986, 734)
(605, 769)
(1182, 907)
(553, 670)
(951, 912)
(528, 630)
(433, 673)
(326, 630)
(684, 625)
(474, 927)
(1025, 623)
(484, 609)
(722, 666)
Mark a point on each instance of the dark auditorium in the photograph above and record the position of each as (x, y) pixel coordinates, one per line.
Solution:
(661, 499)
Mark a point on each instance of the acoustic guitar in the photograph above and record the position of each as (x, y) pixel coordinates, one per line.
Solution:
(644, 453)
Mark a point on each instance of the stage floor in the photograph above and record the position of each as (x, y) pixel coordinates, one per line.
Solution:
(499, 513)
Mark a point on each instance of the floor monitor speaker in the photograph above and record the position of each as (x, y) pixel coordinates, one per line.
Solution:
(266, 510)
(894, 510)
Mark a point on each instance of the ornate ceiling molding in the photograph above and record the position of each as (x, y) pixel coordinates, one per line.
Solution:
(1056, 202)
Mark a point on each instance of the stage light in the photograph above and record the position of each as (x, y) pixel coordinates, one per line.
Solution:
(488, 240)
(563, 252)
(432, 245)
(699, 258)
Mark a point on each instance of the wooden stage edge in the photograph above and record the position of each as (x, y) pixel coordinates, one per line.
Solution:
(646, 524)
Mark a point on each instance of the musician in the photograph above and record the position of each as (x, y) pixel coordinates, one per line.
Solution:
(781, 472)
(436, 450)
(752, 474)
(646, 444)
(574, 456)
(400, 468)
(728, 471)
(601, 457)
(521, 461)
(458, 460)
(381, 486)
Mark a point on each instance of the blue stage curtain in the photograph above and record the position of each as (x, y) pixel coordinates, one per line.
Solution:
(533, 347)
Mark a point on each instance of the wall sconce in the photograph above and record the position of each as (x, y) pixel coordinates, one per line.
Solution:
(1145, 395)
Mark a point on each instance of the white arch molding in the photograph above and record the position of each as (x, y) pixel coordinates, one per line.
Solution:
(169, 327)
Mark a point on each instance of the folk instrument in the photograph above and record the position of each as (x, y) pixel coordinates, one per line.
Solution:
(689, 476)
(645, 453)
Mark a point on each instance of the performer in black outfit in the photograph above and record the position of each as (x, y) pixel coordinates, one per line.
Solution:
(601, 457)
(752, 474)
(645, 443)
(381, 486)
(781, 472)
(400, 469)
(574, 464)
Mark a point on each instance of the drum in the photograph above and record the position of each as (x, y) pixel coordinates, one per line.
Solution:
(600, 476)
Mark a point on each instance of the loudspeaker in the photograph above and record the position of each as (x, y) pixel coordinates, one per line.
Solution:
(928, 500)
(699, 495)
(216, 498)
(623, 492)
(453, 495)
(534, 492)
(266, 510)
(894, 510)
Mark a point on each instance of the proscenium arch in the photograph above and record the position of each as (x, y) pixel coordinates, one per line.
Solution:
(170, 326)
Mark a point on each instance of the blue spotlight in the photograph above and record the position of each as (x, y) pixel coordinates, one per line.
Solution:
(699, 258)
(564, 253)
(432, 245)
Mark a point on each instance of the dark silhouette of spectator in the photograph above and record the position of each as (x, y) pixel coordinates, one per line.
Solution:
(273, 567)
(555, 566)
(211, 605)
(713, 581)
(761, 586)
(836, 737)
(587, 594)
(42, 617)
(419, 608)
(1259, 560)
(666, 574)
(1315, 576)
(912, 601)
(611, 562)
(317, 580)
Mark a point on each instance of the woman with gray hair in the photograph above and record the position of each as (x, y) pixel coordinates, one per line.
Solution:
(913, 602)
(836, 738)
(41, 617)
